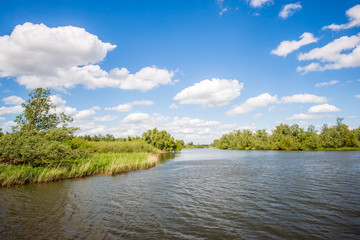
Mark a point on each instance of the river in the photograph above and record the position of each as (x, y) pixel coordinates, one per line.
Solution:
(199, 194)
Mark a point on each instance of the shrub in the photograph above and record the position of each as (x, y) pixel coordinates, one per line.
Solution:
(36, 147)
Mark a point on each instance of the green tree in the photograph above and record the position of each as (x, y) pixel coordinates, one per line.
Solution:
(162, 140)
(39, 113)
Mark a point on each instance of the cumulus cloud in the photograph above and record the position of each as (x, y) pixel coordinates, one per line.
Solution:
(305, 116)
(136, 118)
(106, 118)
(259, 3)
(173, 106)
(304, 98)
(251, 104)
(323, 108)
(287, 47)
(289, 9)
(128, 106)
(63, 57)
(86, 113)
(258, 115)
(11, 110)
(332, 56)
(60, 105)
(354, 20)
(228, 126)
(210, 92)
(357, 96)
(6, 126)
(192, 129)
(13, 100)
(322, 84)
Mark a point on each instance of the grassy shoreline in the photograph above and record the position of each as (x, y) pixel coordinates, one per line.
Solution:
(93, 164)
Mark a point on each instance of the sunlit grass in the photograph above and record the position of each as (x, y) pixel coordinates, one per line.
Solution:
(97, 163)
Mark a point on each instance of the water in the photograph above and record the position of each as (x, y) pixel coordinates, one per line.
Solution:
(200, 194)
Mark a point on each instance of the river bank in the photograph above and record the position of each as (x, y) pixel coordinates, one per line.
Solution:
(93, 164)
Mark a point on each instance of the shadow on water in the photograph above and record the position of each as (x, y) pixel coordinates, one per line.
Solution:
(165, 157)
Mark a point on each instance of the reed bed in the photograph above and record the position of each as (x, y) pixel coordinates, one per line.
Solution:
(96, 163)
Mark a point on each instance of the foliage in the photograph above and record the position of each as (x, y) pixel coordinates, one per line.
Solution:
(162, 140)
(37, 147)
(39, 113)
(192, 145)
(114, 146)
(285, 137)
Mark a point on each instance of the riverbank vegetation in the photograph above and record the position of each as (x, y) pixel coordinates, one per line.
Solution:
(285, 137)
(192, 145)
(43, 148)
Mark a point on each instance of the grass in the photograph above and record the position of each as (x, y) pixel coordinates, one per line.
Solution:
(96, 163)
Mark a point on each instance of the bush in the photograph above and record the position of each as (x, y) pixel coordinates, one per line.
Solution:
(37, 147)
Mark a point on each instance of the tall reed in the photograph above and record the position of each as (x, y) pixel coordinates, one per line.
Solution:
(96, 163)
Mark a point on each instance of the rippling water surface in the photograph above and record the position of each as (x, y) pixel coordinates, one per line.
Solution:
(200, 194)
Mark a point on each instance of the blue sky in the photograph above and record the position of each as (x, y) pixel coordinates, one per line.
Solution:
(196, 69)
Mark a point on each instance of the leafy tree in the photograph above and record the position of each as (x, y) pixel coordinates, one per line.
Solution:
(162, 140)
(39, 113)
(285, 137)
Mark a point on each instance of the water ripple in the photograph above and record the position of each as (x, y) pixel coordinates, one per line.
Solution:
(200, 194)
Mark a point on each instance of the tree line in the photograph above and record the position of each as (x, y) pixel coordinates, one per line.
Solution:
(286, 137)
(42, 135)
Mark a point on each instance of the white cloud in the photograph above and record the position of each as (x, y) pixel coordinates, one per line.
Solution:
(6, 127)
(136, 118)
(86, 113)
(2, 118)
(357, 96)
(13, 100)
(221, 6)
(332, 82)
(60, 105)
(228, 126)
(210, 92)
(106, 118)
(259, 3)
(173, 106)
(128, 106)
(257, 115)
(192, 129)
(11, 110)
(63, 57)
(289, 9)
(305, 116)
(354, 20)
(331, 55)
(251, 104)
(247, 127)
(121, 108)
(323, 108)
(287, 47)
(304, 98)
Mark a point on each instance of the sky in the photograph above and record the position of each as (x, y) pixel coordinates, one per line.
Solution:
(197, 69)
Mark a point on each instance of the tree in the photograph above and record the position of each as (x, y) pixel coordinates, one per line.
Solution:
(39, 113)
(162, 140)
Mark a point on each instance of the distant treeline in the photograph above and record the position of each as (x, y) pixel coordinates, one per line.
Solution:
(293, 137)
